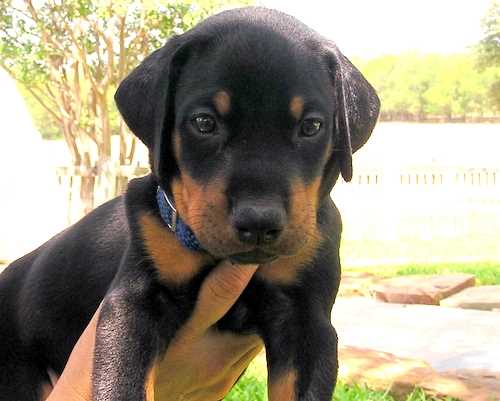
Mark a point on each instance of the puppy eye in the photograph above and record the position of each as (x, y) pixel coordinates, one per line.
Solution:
(204, 123)
(311, 127)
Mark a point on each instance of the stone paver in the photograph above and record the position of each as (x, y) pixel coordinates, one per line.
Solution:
(421, 289)
(446, 338)
(382, 371)
(486, 297)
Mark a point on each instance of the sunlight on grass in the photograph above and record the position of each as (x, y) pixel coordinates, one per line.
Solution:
(249, 388)
(253, 387)
(487, 273)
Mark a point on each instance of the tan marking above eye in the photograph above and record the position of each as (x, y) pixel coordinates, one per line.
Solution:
(222, 102)
(296, 107)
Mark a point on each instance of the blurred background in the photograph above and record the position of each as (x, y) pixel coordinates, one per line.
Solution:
(426, 188)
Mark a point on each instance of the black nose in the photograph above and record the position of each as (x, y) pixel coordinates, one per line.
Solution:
(258, 224)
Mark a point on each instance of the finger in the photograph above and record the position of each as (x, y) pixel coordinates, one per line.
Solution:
(219, 292)
(240, 365)
(239, 346)
(226, 349)
(219, 390)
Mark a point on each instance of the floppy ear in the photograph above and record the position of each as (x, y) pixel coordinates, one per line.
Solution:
(357, 108)
(145, 101)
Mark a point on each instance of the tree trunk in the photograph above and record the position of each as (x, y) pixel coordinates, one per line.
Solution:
(87, 185)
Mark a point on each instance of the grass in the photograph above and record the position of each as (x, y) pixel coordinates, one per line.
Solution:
(344, 392)
(248, 388)
(487, 273)
(467, 249)
(253, 388)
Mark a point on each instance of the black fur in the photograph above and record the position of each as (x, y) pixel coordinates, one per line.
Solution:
(262, 58)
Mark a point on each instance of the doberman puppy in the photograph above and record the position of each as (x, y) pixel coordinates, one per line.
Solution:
(250, 118)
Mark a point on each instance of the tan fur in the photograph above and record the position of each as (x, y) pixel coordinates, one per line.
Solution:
(204, 209)
(175, 263)
(296, 107)
(283, 388)
(222, 102)
(191, 199)
(304, 204)
(149, 386)
(177, 145)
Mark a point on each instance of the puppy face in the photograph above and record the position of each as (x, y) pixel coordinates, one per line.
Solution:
(253, 132)
(249, 119)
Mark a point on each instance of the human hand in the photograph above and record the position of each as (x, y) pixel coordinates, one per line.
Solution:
(208, 363)
(199, 364)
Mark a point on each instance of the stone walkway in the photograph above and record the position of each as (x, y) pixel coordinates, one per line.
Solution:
(421, 288)
(400, 376)
(445, 351)
(446, 338)
(486, 297)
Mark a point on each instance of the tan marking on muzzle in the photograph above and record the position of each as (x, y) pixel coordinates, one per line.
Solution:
(296, 107)
(175, 263)
(204, 209)
(283, 388)
(222, 102)
(194, 200)
(303, 210)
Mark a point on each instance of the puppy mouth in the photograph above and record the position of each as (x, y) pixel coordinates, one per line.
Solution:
(256, 256)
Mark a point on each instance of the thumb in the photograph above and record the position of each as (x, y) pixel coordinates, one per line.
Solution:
(220, 290)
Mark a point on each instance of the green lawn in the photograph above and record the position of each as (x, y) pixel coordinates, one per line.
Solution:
(487, 273)
(253, 388)
(463, 250)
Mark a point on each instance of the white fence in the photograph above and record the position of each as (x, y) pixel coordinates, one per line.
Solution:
(476, 177)
(420, 215)
(429, 214)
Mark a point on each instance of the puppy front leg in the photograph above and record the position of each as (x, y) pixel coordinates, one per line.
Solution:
(302, 360)
(127, 344)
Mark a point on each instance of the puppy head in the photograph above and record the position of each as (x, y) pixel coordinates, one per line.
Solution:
(249, 118)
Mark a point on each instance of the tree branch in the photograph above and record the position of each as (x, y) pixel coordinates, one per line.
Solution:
(80, 53)
(45, 36)
(122, 52)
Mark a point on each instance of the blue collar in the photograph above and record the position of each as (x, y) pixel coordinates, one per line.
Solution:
(169, 215)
